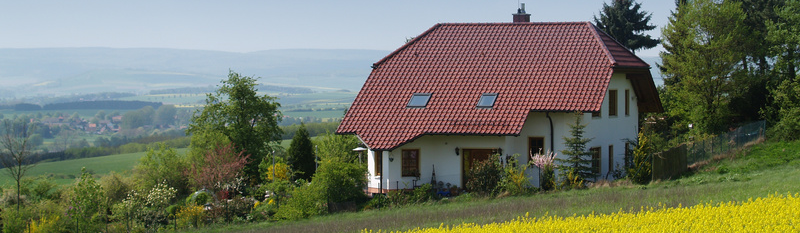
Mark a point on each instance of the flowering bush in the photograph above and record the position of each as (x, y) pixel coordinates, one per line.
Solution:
(775, 213)
(546, 169)
(191, 216)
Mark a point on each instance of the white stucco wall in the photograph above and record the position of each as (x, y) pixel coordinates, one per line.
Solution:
(439, 150)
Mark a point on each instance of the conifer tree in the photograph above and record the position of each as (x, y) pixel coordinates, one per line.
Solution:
(624, 21)
(579, 160)
(301, 155)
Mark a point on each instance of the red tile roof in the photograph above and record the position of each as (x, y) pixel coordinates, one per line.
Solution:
(531, 66)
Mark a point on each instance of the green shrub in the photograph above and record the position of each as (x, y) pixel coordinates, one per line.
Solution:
(15, 221)
(514, 180)
(641, 171)
(341, 181)
(422, 194)
(484, 177)
(378, 202)
(305, 201)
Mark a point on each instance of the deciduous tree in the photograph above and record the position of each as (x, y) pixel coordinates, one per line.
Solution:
(221, 168)
(17, 156)
(247, 119)
(703, 55)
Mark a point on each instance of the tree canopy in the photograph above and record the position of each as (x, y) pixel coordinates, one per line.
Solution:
(624, 21)
(247, 119)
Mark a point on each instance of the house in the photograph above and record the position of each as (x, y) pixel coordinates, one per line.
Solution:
(460, 92)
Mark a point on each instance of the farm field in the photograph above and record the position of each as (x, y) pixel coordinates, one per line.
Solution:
(764, 170)
(65, 172)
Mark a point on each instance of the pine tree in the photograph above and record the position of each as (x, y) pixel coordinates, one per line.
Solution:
(579, 160)
(624, 21)
(301, 154)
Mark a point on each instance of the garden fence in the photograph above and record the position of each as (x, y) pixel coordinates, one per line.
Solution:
(674, 161)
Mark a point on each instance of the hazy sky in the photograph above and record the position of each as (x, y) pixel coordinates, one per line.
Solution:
(247, 26)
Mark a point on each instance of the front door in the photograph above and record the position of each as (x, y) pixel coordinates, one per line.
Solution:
(471, 157)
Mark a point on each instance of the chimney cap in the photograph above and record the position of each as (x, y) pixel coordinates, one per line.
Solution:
(521, 16)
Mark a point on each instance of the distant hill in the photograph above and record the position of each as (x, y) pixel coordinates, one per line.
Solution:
(65, 71)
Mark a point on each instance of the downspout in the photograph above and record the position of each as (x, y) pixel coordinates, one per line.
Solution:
(547, 114)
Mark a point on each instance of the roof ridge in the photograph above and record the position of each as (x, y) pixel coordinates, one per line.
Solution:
(602, 43)
(396, 51)
(597, 32)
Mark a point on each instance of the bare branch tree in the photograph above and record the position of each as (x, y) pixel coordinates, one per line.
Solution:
(16, 155)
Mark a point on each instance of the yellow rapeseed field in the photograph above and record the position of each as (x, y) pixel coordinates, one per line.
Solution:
(776, 213)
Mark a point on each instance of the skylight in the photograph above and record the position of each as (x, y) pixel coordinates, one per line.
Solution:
(419, 100)
(487, 100)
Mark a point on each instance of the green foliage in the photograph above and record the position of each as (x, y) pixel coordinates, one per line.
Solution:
(135, 119)
(162, 165)
(88, 204)
(246, 119)
(39, 188)
(14, 220)
(514, 180)
(484, 177)
(301, 157)
(548, 178)
(116, 186)
(624, 21)
(579, 160)
(306, 200)
(165, 115)
(332, 146)
(701, 62)
(785, 112)
(341, 181)
(641, 170)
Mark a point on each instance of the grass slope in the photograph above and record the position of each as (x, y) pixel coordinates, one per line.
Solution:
(65, 172)
(765, 169)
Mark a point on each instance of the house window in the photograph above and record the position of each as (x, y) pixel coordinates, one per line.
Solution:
(419, 100)
(610, 158)
(595, 160)
(410, 161)
(487, 100)
(536, 145)
(627, 102)
(612, 102)
(378, 163)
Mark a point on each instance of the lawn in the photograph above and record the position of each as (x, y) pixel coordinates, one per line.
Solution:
(65, 172)
(765, 169)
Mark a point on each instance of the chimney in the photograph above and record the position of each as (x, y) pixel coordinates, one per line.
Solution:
(521, 16)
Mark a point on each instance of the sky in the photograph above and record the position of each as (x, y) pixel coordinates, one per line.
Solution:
(248, 26)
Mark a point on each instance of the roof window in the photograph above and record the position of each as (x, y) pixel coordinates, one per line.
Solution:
(419, 100)
(487, 100)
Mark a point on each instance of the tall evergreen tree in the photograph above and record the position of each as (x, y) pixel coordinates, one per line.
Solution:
(579, 160)
(624, 21)
(301, 155)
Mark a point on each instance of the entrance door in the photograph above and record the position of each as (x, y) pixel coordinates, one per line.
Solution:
(472, 157)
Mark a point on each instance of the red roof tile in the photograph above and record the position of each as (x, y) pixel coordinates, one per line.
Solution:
(531, 66)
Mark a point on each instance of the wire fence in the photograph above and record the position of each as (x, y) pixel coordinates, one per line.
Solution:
(674, 161)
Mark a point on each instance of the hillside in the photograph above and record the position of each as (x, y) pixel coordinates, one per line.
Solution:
(66, 71)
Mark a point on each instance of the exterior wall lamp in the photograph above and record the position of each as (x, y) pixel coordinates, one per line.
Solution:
(391, 158)
(456, 151)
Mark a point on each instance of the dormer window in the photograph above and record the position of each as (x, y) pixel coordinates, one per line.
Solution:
(487, 100)
(419, 100)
